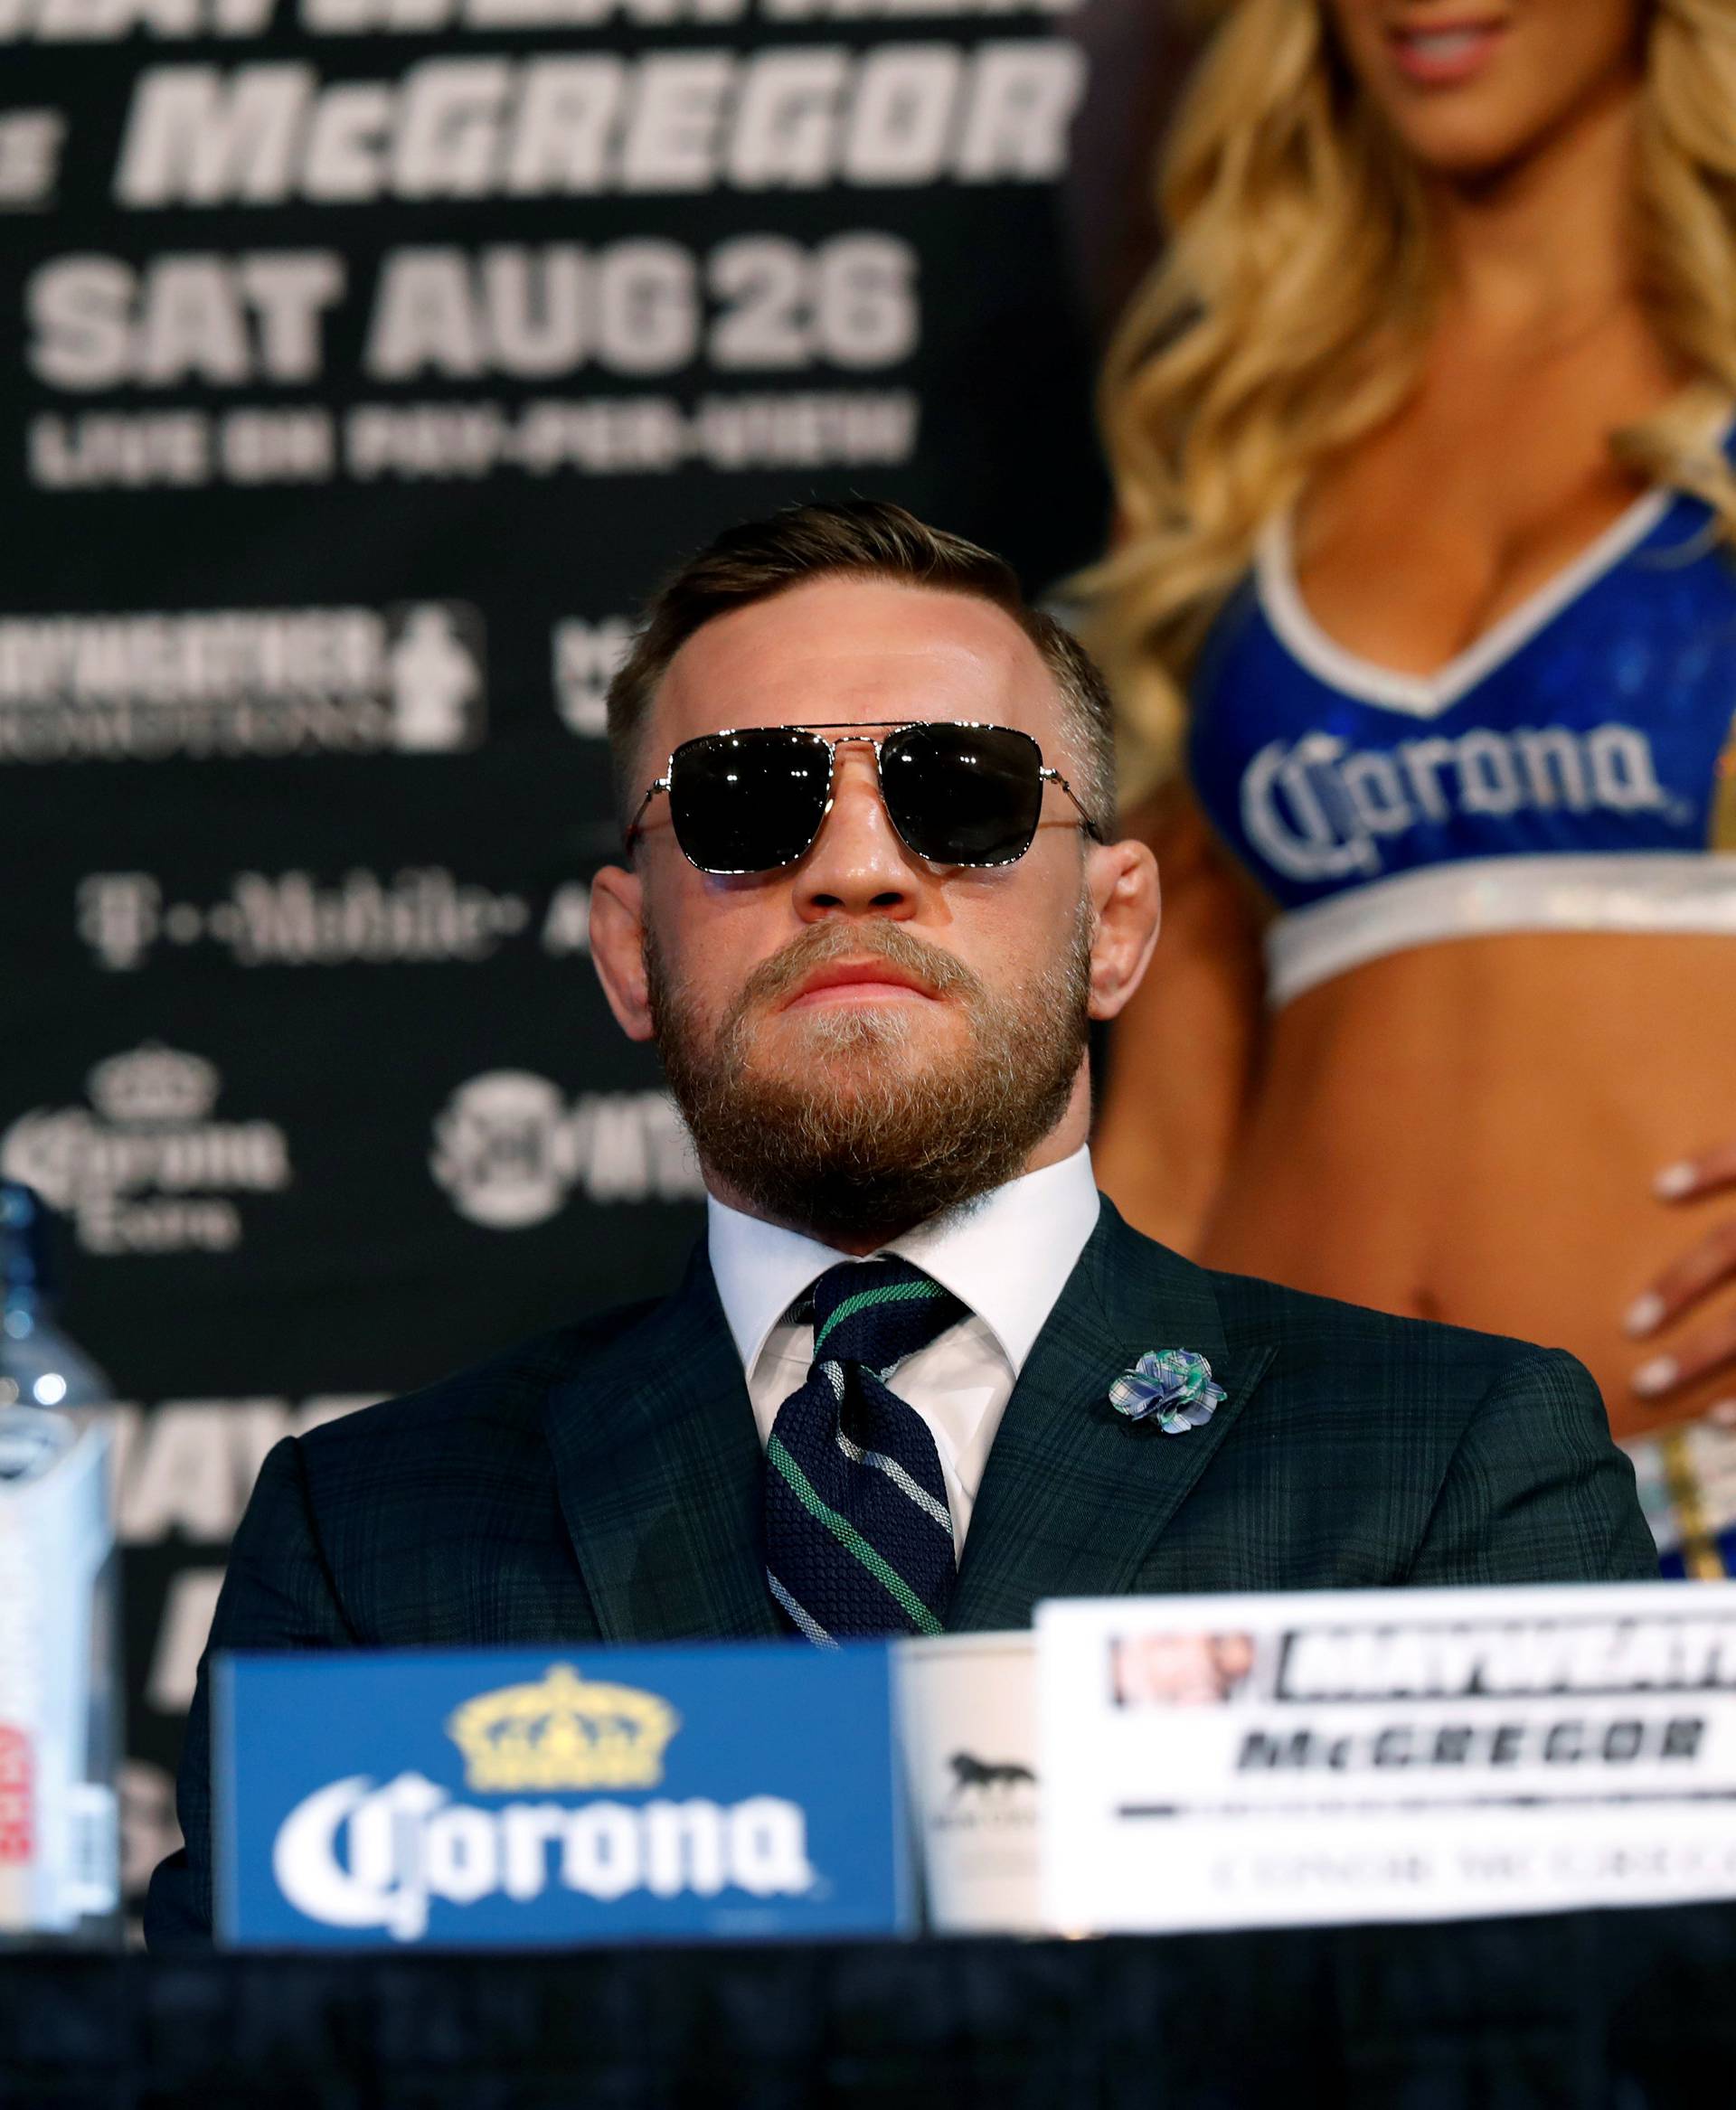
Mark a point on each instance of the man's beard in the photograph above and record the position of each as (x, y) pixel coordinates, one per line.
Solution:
(866, 1140)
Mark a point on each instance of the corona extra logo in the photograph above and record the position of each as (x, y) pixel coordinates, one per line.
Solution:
(564, 1732)
(145, 1168)
(154, 1086)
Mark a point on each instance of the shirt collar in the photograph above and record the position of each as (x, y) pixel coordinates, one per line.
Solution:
(1005, 1255)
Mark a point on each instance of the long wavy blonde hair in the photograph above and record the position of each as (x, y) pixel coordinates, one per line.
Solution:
(1291, 309)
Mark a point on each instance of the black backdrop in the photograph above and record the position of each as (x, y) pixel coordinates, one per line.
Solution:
(367, 361)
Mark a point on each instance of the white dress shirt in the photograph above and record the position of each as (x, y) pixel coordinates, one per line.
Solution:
(1004, 1256)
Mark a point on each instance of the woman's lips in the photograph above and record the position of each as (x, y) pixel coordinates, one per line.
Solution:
(1446, 54)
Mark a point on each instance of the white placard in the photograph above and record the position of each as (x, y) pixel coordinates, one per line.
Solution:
(1391, 1755)
(968, 1706)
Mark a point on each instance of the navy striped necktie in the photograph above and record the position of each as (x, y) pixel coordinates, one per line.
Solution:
(858, 1534)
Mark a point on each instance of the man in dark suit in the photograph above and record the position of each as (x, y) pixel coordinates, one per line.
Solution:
(918, 1376)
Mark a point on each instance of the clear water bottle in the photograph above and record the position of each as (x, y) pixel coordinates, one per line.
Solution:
(59, 1688)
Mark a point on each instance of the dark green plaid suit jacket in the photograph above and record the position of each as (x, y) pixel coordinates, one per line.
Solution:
(604, 1482)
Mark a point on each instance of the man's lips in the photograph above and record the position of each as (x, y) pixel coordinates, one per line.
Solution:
(845, 980)
(1444, 53)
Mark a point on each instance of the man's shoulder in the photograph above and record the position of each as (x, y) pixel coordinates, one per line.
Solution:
(1316, 1333)
(1323, 1348)
(1361, 1447)
(493, 1409)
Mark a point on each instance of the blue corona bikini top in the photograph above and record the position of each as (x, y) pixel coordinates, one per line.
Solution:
(1575, 769)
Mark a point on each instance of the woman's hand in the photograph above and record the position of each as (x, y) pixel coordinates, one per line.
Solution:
(1688, 1282)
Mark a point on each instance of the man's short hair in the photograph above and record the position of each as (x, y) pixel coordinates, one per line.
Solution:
(859, 538)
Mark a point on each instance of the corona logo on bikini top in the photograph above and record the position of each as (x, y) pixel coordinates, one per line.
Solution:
(563, 1732)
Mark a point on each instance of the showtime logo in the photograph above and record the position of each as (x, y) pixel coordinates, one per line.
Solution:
(260, 683)
(509, 1150)
(145, 1168)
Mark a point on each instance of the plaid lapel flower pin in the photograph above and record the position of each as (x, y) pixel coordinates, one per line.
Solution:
(1172, 1386)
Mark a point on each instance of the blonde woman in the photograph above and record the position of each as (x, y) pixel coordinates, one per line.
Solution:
(1424, 619)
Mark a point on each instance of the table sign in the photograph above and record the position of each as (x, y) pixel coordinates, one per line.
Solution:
(968, 1717)
(1236, 1761)
(525, 1797)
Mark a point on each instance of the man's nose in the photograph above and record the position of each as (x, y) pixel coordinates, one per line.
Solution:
(858, 865)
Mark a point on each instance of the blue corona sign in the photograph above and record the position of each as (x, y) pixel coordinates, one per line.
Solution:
(530, 1797)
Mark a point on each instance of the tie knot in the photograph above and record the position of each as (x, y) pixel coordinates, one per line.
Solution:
(875, 1313)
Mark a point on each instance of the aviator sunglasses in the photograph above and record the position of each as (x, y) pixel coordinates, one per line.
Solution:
(753, 798)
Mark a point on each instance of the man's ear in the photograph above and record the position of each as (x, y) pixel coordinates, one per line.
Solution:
(618, 948)
(1122, 881)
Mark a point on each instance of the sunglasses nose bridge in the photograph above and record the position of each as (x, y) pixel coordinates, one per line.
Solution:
(857, 862)
(847, 781)
(838, 742)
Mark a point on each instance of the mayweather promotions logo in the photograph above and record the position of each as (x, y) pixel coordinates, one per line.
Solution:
(241, 681)
(145, 1167)
(563, 1733)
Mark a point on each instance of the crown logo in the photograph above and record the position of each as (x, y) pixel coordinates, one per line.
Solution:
(154, 1086)
(565, 1732)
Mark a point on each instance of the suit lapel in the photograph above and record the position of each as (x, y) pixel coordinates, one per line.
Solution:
(1074, 1494)
(660, 1476)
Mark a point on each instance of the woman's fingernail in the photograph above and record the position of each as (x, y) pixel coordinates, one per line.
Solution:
(1674, 1180)
(1643, 1314)
(1657, 1376)
(1723, 1413)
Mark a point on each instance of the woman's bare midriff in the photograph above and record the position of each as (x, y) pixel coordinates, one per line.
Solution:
(1469, 1131)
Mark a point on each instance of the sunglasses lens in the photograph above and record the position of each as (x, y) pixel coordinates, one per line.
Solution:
(748, 801)
(963, 793)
